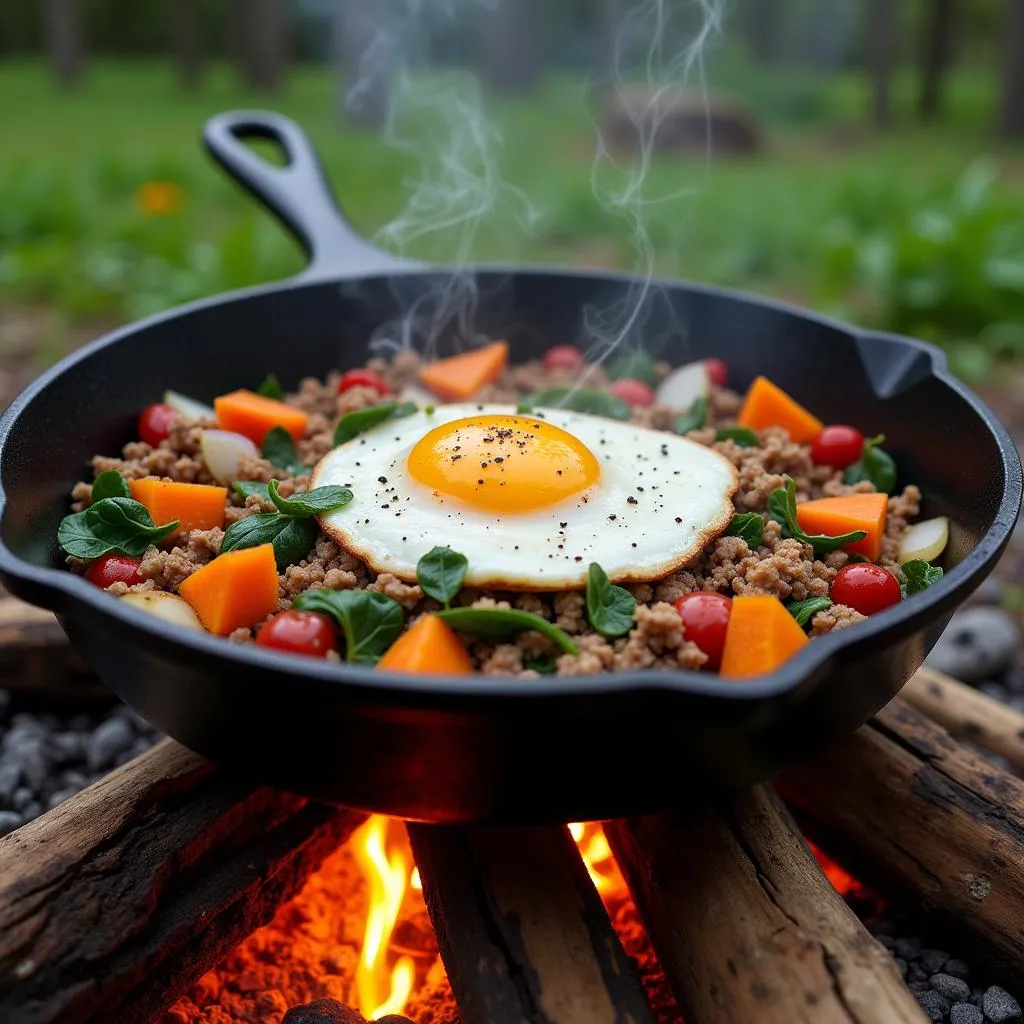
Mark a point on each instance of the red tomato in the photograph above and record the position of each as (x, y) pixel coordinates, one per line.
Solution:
(838, 446)
(705, 616)
(632, 391)
(563, 357)
(867, 588)
(114, 569)
(362, 379)
(155, 423)
(717, 371)
(299, 632)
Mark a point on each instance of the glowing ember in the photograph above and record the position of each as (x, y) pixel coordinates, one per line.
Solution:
(842, 881)
(597, 856)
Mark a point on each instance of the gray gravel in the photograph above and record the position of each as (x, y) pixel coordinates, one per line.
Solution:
(978, 644)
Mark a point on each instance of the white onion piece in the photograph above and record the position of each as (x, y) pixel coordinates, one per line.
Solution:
(421, 397)
(926, 540)
(168, 607)
(683, 386)
(222, 451)
(188, 407)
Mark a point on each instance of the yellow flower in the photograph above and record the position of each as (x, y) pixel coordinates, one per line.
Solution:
(159, 197)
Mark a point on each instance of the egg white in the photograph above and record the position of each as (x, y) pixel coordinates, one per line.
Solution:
(659, 500)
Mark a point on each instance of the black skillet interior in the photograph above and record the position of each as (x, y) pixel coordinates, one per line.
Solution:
(445, 749)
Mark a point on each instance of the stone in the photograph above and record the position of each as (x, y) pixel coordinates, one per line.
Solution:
(1000, 1007)
(934, 1005)
(322, 1011)
(958, 969)
(965, 1013)
(66, 747)
(933, 960)
(21, 798)
(901, 966)
(9, 821)
(58, 797)
(10, 776)
(954, 989)
(979, 643)
(907, 947)
(111, 738)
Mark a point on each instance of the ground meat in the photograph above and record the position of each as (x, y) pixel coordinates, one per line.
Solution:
(902, 509)
(839, 616)
(408, 595)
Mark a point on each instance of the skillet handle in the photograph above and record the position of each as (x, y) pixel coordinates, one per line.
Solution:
(299, 193)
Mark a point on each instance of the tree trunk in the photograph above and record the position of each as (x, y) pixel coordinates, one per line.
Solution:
(936, 49)
(1011, 112)
(187, 41)
(62, 29)
(366, 55)
(507, 45)
(259, 37)
(765, 24)
(881, 31)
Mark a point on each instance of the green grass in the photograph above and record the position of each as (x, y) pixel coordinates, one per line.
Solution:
(807, 219)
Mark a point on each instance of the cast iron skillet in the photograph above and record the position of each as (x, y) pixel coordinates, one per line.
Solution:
(461, 749)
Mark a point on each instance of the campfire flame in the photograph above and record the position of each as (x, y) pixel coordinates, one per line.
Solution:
(597, 856)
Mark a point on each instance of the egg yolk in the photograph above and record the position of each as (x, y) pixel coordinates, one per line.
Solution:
(504, 463)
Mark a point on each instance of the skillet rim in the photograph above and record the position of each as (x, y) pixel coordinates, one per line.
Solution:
(64, 591)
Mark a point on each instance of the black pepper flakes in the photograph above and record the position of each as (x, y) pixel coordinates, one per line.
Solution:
(631, 500)
(678, 518)
(382, 479)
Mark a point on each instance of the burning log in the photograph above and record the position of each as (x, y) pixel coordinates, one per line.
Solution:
(747, 927)
(119, 899)
(925, 814)
(522, 931)
(968, 714)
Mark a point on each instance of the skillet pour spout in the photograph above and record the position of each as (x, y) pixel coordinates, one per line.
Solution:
(459, 749)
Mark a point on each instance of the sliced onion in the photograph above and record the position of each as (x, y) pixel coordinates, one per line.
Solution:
(188, 407)
(223, 450)
(683, 386)
(926, 540)
(168, 607)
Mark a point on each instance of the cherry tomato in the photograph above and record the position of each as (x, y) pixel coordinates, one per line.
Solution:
(838, 446)
(299, 632)
(867, 588)
(114, 569)
(632, 391)
(362, 379)
(563, 357)
(717, 371)
(155, 423)
(705, 616)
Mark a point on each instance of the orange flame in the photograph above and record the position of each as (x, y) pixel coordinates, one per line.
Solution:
(597, 856)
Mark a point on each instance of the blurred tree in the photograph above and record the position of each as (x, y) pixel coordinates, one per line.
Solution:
(366, 53)
(1011, 110)
(765, 24)
(507, 34)
(258, 34)
(936, 52)
(187, 41)
(880, 32)
(608, 19)
(62, 28)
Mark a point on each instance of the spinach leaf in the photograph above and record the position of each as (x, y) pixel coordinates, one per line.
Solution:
(803, 611)
(279, 450)
(110, 485)
(743, 436)
(497, 624)
(370, 621)
(271, 387)
(246, 488)
(597, 403)
(541, 664)
(874, 465)
(782, 508)
(115, 524)
(918, 575)
(291, 538)
(310, 503)
(355, 423)
(611, 609)
(749, 526)
(636, 364)
(694, 418)
(440, 573)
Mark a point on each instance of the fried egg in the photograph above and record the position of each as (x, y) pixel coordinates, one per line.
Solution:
(530, 500)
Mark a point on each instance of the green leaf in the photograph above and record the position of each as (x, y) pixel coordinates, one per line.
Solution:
(694, 418)
(497, 624)
(291, 538)
(782, 508)
(749, 526)
(247, 488)
(271, 387)
(918, 575)
(597, 403)
(355, 423)
(742, 436)
(310, 503)
(279, 450)
(541, 664)
(116, 524)
(440, 573)
(110, 485)
(370, 621)
(636, 364)
(803, 611)
(611, 609)
(874, 465)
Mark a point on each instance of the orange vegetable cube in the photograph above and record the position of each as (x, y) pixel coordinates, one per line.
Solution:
(458, 378)
(197, 506)
(236, 589)
(833, 516)
(767, 405)
(429, 645)
(253, 415)
(760, 637)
